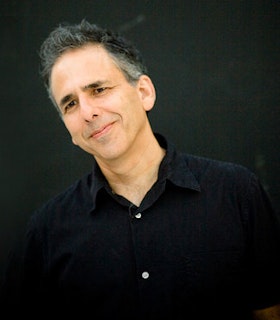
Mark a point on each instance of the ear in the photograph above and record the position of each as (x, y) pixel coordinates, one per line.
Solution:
(147, 92)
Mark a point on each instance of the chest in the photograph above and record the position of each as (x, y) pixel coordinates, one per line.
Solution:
(176, 241)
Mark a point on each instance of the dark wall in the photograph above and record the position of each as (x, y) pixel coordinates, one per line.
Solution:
(215, 65)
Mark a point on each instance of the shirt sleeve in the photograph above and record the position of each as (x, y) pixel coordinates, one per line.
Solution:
(264, 244)
(23, 271)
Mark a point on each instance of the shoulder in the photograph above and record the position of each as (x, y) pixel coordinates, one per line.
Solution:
(207, 168)
(232, 179)
(224, 177)
(76, 195)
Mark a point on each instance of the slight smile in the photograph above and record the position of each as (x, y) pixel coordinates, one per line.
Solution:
(101, 131)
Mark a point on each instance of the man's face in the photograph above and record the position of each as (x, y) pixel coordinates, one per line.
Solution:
(104, 113)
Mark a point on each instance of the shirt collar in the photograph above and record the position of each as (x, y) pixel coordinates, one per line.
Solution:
(174, 168)
(98, 181)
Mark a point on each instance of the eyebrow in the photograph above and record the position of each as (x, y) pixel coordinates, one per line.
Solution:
(93, 85)
(65, 99)
(68, 97)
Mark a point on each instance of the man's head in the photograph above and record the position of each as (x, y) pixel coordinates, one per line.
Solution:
(100, 87)
(66, 37)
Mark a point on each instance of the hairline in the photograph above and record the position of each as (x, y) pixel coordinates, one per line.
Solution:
(118, 60)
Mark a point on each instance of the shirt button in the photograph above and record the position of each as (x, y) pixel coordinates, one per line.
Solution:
(138, 215)
(145, 275)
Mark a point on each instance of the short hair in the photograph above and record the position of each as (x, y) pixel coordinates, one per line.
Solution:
(69, 36)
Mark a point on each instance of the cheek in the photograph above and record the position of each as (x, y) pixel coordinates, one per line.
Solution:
(72, 128)
(133, 107)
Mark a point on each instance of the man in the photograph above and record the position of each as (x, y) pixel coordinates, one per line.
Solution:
(149, 233)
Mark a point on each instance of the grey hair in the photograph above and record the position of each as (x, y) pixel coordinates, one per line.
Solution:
(66, 37)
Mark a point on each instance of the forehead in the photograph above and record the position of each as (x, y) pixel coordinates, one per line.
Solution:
(81, 66)
(89, 55)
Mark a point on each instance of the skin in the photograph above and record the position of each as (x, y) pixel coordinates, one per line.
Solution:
(271, 313)
(106, 116)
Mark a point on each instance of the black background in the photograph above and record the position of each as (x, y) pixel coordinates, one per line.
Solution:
(215, 65)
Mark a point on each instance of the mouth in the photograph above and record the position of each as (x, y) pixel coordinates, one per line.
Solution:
(101, 131)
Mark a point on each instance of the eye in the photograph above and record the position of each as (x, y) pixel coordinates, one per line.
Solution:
(99, 90)
(70, 105)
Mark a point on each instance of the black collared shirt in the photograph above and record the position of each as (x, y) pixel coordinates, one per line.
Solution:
(203, 243)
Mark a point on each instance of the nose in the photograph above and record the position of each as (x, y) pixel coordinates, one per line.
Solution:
(88, 108)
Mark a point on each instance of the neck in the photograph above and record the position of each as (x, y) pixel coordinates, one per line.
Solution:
(134, 177)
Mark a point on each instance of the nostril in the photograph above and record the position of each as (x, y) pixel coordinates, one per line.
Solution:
(91, 118)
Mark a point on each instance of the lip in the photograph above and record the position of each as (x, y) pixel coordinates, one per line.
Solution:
(101, 131)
